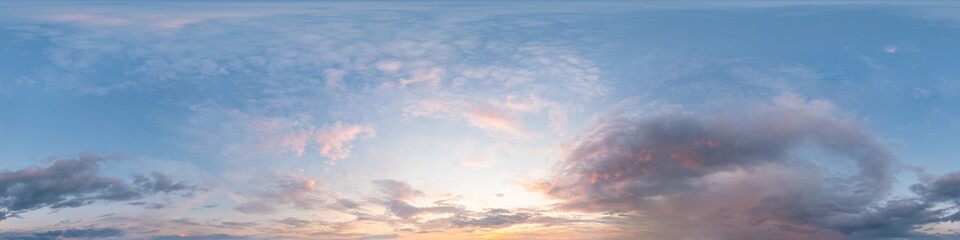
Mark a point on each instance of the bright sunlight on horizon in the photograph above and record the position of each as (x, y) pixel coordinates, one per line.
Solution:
(687, 120)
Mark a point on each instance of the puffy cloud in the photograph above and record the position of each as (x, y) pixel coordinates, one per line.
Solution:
(937, 201)
(744, 172)
(334, 140)
(68, 183)
(945, 188)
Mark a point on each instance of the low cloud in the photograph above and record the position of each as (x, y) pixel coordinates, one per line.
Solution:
(492, 218)
(160, 183)
(454, 216)
(201, 237)
(301, 192)
(90, 233)
(396, 189)
(380, 237)
(744, 173)
(69, 183)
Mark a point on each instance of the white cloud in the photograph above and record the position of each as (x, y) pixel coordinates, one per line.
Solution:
(890, 49)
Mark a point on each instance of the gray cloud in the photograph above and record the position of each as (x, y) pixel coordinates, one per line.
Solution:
(397, 189)
(69, 183)
(492, 218)
(793, 169)
(295, 222)
(160, 183)
(397, 192)
(91, 233)
(300, 192)
(937, 201)
(380, 237)
(147, 205)
(945, 188)
(201, 237)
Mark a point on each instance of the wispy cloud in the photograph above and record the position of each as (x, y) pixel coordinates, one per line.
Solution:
(334, 140)
(283, 190)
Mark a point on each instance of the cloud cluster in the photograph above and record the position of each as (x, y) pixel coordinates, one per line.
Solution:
(334, 141)
(241, 135)
(442, 215)
(69, 183)
(792, 169)
(332, 66)
(88, 233)
(301, 192)
(496, 217)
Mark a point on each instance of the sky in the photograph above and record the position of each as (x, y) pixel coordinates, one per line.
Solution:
(691, 120)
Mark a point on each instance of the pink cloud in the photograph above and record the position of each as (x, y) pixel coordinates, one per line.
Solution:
(284, 135)
(493, 119)
(334, 141)
(289, 136)
(703, 171)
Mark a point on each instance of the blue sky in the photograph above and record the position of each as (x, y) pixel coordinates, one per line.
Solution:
(426, 120)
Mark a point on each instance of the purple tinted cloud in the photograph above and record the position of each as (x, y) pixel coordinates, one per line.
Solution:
(742, 173)
(68, 183)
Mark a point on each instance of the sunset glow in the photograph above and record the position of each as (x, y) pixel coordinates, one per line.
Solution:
(708, 120)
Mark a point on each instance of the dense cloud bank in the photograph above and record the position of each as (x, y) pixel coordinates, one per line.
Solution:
(792, 169)
(88, 233)
(68, 183)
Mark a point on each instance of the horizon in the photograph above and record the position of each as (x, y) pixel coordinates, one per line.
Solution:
(463, 120)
